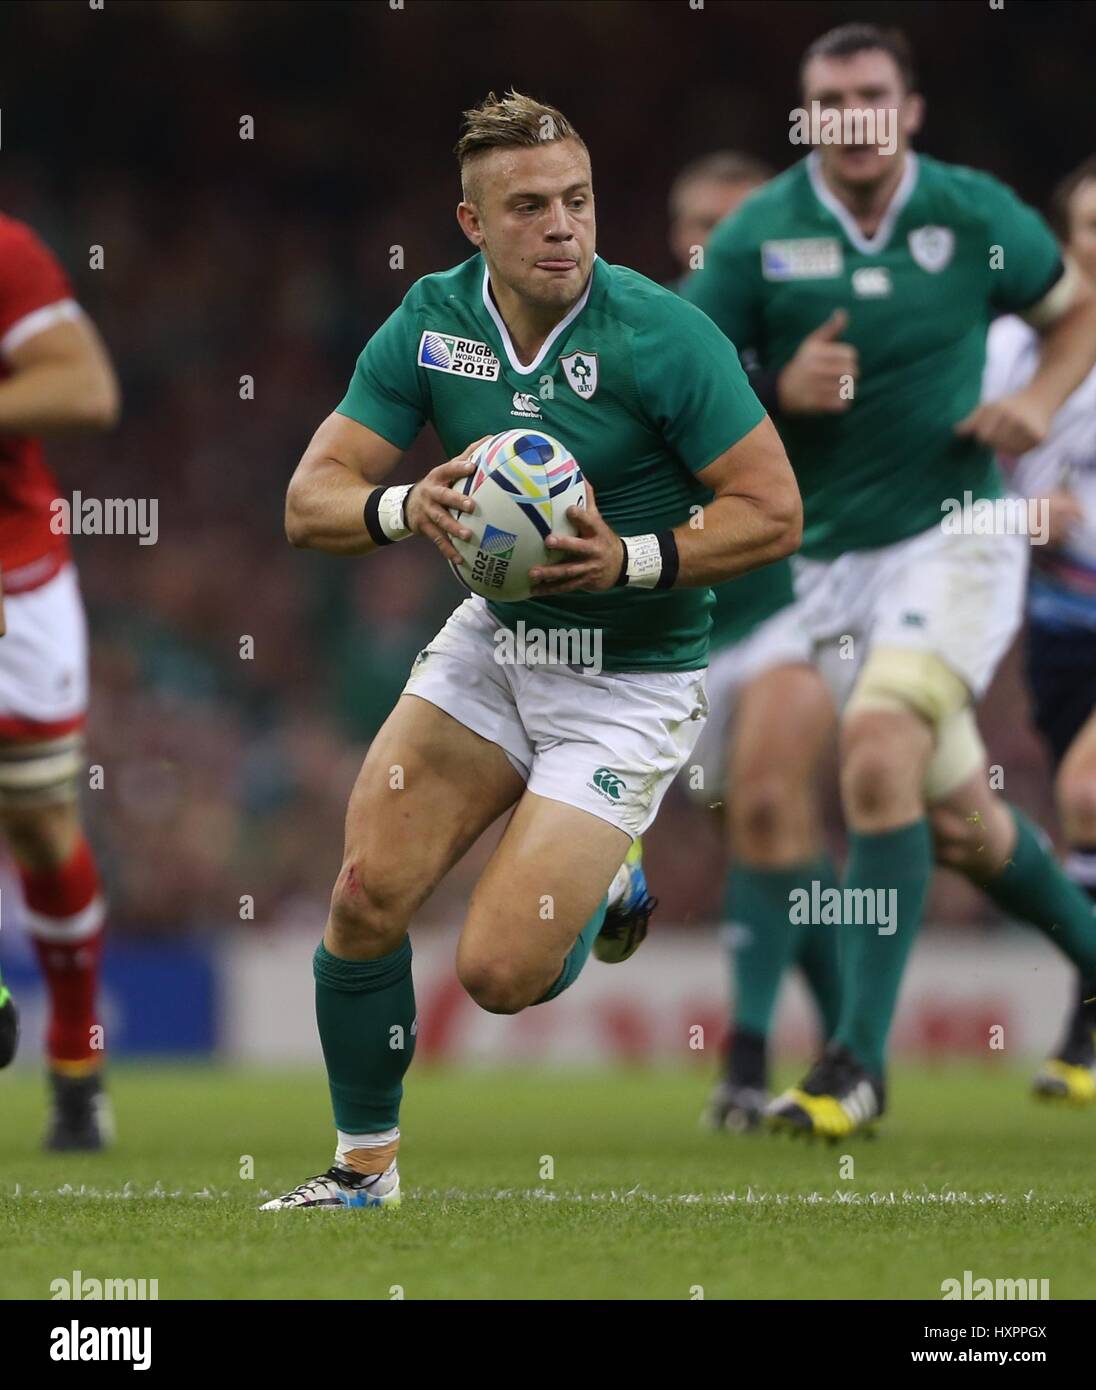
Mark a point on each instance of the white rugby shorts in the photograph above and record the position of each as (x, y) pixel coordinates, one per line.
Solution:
(44, 660)
(609, 743)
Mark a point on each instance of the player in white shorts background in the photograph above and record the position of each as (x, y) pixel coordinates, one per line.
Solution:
(55, 377)
(863, 275)
(1060, 475)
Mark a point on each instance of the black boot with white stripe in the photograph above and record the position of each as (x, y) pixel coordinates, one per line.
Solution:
(839, 1097)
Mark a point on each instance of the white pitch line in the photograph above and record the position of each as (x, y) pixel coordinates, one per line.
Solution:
(625, 1197)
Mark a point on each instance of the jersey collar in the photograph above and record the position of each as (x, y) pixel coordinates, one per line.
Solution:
(867, 246)
(552, 338)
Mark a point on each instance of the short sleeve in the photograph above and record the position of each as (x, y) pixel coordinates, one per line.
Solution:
(1029, 259)
(727, 288)
(35, 292)
(693, 386)
(386, 393)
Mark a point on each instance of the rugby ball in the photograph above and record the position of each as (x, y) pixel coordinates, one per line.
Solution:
(522, 485)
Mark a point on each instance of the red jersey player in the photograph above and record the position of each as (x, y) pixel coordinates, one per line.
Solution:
(55, 377)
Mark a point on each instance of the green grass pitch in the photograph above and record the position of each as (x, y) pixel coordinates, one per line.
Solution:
(966, 1173)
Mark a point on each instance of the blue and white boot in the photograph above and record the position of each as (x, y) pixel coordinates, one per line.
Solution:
(339, 1189)
(630, 908)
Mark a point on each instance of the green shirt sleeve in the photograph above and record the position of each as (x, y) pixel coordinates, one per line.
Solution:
(692, 384)
(386, 392)
(728, 287)
(1029, 260)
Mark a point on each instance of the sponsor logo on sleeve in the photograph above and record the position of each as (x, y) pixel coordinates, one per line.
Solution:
(444, 352)
(806, 258)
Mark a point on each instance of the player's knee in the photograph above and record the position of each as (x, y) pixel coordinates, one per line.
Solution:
(497, 986)
(368, 911)
(879, 768)
(43, 836)
(765, 811)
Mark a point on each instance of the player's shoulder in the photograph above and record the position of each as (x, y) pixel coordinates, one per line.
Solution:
(641, 305)
(968, 194)
(19, 239)
(463, 283)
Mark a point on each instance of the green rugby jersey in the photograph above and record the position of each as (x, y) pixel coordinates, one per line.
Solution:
(744, 602)
(639, 385)
(955, 248)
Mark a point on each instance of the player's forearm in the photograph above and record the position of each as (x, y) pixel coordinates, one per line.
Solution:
(55, 397)
(1067, 355)
(738, 534)
(325, 510)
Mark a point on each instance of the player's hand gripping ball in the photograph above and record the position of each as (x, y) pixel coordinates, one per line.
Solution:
(522, 484)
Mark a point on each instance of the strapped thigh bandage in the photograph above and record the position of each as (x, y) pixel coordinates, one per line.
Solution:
(34, 773)
(906, 679)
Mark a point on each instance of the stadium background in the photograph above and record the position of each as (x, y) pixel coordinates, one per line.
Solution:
(271, 258)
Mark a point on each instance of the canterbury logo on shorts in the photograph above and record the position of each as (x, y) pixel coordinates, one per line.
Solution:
(608, 783)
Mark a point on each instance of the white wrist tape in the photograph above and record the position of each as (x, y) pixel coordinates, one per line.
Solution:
(644, 561)
(390, 512)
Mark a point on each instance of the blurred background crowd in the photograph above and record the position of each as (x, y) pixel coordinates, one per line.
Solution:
(270, 258)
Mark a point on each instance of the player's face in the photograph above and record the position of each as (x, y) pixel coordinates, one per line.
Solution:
(703, 204)
(869, 80)
(1082, 226)
(533, 218)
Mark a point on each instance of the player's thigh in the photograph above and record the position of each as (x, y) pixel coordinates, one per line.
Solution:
(427, 789)
(783, 726)
(548, 874)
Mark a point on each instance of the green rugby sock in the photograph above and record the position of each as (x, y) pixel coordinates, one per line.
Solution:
(578, 955)
(872, 965)
(818, 956)
(763, 941)
(1034, 887)
(365, 1010)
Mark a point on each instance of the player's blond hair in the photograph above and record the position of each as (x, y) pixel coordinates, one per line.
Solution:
(512, 120)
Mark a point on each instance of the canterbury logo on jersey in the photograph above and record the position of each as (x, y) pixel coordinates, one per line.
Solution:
(608, 783)
(526, 406)
(445, 352)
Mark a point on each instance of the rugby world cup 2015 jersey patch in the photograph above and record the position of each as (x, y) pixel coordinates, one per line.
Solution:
(807, 258)
(444, 352)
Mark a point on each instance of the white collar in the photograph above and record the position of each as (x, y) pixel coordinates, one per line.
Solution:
(867, 246)
(546, 346)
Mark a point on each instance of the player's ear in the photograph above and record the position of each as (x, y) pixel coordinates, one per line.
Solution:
(913, 113)
(469, 222)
